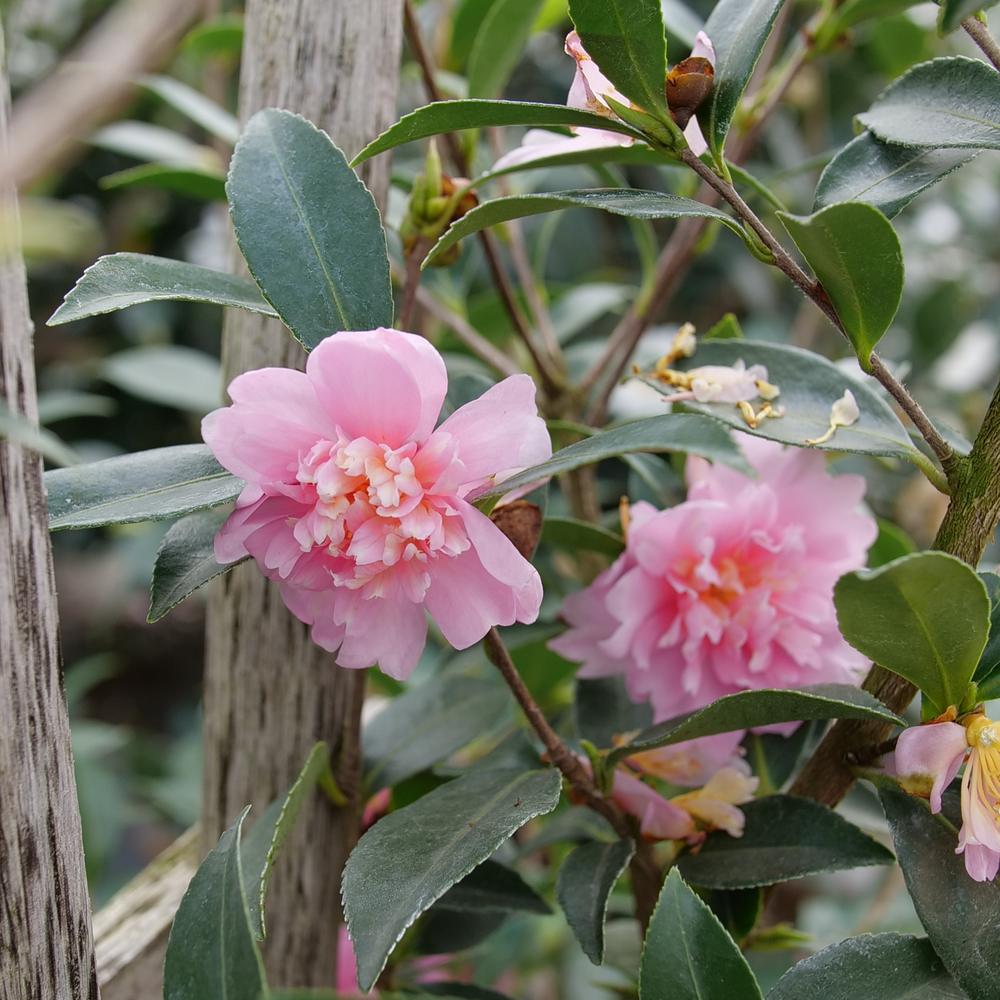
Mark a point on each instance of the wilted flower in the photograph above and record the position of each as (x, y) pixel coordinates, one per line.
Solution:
(730, 590)
(591, 91)
(715, 383)
(843, 413)
(714, 805)
(360, 508)
(928, 758)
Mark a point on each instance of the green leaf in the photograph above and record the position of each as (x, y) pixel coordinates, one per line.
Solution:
(884, 176)
(750, 709)
(728, 328)
(465, 25)
(785, 837)
(144, 486)
(583, 888)
(499, 42)
(855, 253)
(603, 710)
(443, 931)
(952, 103)
(577, 824)
(638, 153)
(688, 955)
(220, 36)
(954, 12)
(573, 535)
(143, 141)
(892, 543)
(630, 202)
(680, 21)
(809, 387)
(168, 374)
(16, 427)
(738, 29)
(961, 917)
(873, 966)
(625, 38)
(853, 12)
(427, 724)
(737, 909)
(208, 185)
(308, 228)
(194, 105)
(926, 617)
(987, 675)
(454, 116)
(211, 951)
(410, 858)
(492, 887)
(126, 279)
(672, 432)
(185, 560)
(268, 835)
(774, 758)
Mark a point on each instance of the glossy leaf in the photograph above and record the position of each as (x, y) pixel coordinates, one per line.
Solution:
(443, 931)
(961, 917)
(785, 837)
(926, 617)
(855, 253)
(750, 709)
(211, 951)
(672, 432)
(427, 724)
(493, 887)
(884, 176)
(688, 955)
(809, 387)
(892, 543)
(603, 710)
(409, 859)
(169, 374)
(126, 279)
(208, 185)
(630, 202)
(308, 228)
(583, 888)
(185, 560)
(270, 832)
(144, 486)
(465, 24)
(194, 105)
(873, 966)
(573, 535)
(738, 30)
(987, 675)
(738, 910)
(953, 102)
(954, 12)
(625, 38)
(453, 116)
(499, 42)
(577, 824)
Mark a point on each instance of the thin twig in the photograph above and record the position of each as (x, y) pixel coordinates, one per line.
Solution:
(461, 327)
(646, 874)
(549, 374)
(980, 34)
(411, 283)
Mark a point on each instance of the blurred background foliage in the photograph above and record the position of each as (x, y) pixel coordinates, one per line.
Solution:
(151, 182)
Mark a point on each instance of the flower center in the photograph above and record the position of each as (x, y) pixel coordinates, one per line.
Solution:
(372, 511)
(982, 732)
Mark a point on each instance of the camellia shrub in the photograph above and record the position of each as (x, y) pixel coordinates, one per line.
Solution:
(714, 637)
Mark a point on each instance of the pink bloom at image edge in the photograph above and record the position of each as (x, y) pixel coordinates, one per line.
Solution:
(360, 508)
(731, 590)
(927, 759)
(588, 92)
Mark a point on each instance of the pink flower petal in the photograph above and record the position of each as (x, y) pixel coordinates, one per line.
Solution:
(928, 758)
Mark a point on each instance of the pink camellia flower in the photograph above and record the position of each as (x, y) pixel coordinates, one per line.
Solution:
(928, 758)
(360, 507)
(730, 590)
(590, 91)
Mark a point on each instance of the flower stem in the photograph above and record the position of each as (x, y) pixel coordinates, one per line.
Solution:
(412, 281)
(646, 874)
(980, 34)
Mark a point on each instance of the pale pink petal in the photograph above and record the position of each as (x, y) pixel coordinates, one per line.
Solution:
(347, 967)
(981, 863)
(500, 432)
(383, 385)
(660, 818)
(695, 139)
(390, 633)
(928, 758)
(703, 48)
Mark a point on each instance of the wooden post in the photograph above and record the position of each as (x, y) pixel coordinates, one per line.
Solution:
(46, 943)
(269, 692)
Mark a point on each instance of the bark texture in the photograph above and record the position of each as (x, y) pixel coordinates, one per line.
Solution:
(46, 945)
(270, 694)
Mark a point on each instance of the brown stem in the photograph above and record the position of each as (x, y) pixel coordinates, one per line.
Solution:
(980, 34)
(412, 281)
(646, 874)
(549, 374)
